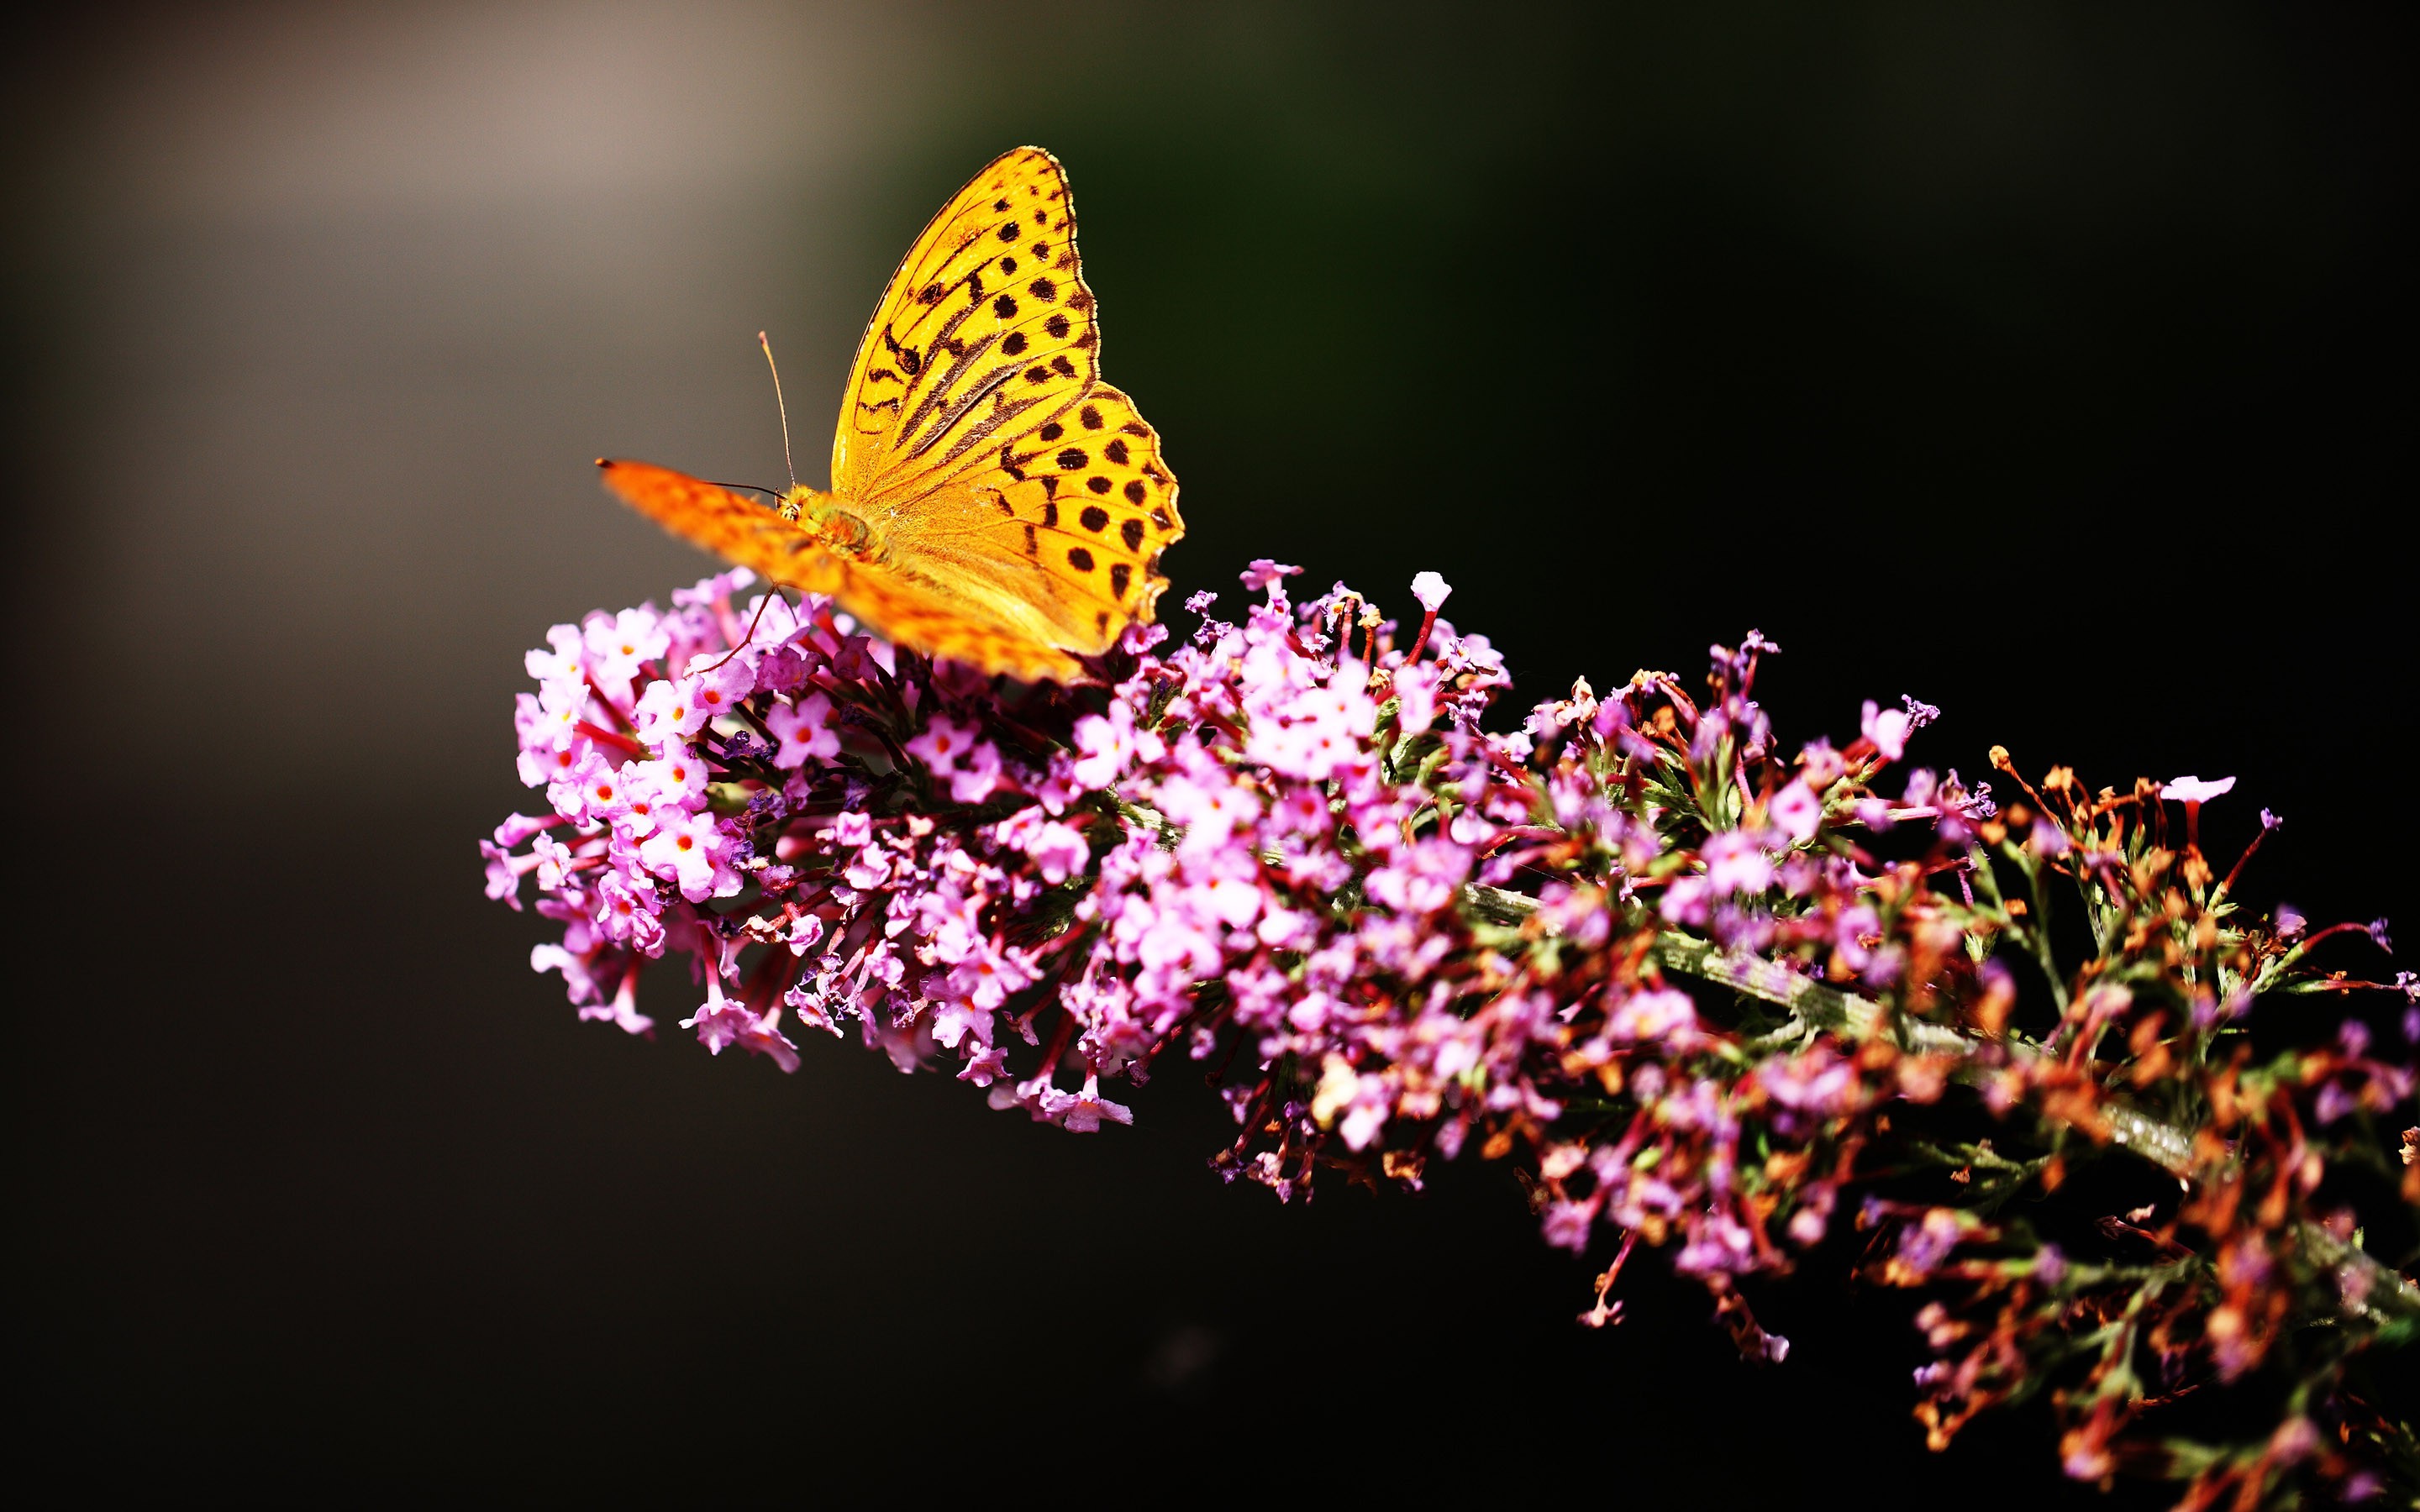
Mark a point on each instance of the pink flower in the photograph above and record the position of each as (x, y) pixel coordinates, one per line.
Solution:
(722, 1023)
(1736, 862)
(504, 872)
(677, 778)
(1430, 590)
(1083, 1112)
(1886, 727)
(1664, 1014)
(668, 713)
(978, 775)
(956, 754)
(2193, 789)
(1107, 745)
(804, 729)
(1798, 811)
(687, 849)
(619, 646)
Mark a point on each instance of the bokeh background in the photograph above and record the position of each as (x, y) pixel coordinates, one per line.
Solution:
(2047, 363)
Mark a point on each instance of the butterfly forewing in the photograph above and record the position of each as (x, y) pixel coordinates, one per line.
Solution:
(986, 332)
(735, 525)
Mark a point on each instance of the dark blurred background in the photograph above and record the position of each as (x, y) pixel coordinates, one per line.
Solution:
(2050, 364)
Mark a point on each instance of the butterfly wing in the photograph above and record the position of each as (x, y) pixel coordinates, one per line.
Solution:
(958, 617)
(740, 528)
(1007, 484)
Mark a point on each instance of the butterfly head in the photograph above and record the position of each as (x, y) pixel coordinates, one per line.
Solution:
(836, 529)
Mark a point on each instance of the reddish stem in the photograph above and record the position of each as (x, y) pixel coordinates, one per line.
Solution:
(619, 742)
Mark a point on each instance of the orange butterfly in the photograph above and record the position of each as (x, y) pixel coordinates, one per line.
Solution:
(993, 500)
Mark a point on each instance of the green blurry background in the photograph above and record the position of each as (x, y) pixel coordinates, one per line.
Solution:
(2048, 363)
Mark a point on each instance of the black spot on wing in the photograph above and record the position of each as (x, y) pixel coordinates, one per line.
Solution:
(1135, 494)
(1052, 431)
(1098, 484)
(1092, 419)
(1079, 558)
(1131, 532)
(1058, 327)
(1094, 518)
(1070, 459)
(1118, 575)
(1115, 452)
(1015, 344)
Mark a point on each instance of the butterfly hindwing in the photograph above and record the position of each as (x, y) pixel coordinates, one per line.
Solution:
(1090, 501)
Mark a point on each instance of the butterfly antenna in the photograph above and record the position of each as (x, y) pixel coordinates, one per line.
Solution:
(784, 408)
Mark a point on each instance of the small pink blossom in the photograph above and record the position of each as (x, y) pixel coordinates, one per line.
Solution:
(2193, 789)
(804, 729)
(1798, 811)
(668, 712)
(1664, 1014)
(1886, 727)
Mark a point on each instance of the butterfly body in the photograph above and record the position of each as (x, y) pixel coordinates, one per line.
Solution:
(993, 500)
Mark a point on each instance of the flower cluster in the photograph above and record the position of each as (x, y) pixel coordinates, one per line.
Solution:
(1714, 994)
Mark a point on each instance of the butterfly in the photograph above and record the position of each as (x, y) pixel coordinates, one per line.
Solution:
(993, 500)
